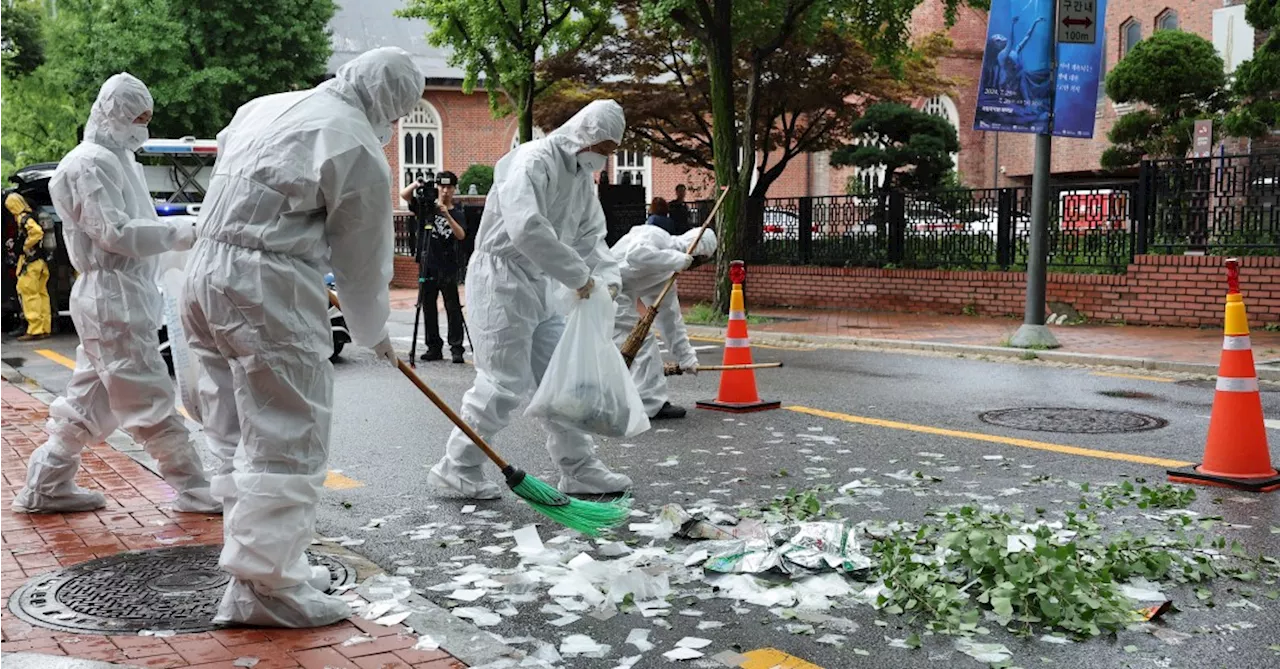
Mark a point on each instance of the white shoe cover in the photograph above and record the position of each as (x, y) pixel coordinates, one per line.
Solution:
(51, 486)
(466, 482)
(592, 477)
(197, 500)
(297, 606)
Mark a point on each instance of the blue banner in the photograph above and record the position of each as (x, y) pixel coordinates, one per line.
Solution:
(1018, 90)
(1075, 101)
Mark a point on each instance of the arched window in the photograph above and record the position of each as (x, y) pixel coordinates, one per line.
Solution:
(420, 147)
(633, 168)
(1167, 20)
(515, 139)
(1130, 35)
(943, 107)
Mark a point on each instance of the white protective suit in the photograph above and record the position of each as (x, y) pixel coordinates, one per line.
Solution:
(114, 238)
(542, 226)
(301, 185)
(648, 256)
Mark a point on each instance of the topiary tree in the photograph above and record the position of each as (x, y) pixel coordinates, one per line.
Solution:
(1178, 79)
(897, 137)
(481, 176)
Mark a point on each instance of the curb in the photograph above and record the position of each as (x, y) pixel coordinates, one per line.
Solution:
(1086, 359)
(464, 641)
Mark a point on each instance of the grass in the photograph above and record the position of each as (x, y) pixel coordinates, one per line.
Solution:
(703, 314)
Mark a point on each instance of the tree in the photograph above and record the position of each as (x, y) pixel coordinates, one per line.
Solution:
(21, 41)
(1257, 80)
(737, 39)
(200, 60)
(503, 40)
(480, 176)
(1178, 78)
(811, 93)
(40, 119)
(896, 137)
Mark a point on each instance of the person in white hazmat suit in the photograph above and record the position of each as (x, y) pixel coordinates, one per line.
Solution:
(114, 240)
(301, 186)
(647, 257)
(542, 225)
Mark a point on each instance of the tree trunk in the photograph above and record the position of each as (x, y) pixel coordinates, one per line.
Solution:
(725, 146)
(526, 110)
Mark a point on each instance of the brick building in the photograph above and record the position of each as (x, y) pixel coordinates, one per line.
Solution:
(988, 160)
(451, 130)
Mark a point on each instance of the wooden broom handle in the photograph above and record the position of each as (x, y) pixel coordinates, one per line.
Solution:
(436, 400)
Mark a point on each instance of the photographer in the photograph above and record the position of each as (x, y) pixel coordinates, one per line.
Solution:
(439, 259)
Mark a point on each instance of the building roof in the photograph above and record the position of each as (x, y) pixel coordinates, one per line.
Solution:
(361, 25)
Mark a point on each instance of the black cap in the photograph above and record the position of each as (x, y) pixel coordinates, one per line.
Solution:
(446, 179)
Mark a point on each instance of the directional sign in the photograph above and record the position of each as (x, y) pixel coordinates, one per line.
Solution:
(1077, 21)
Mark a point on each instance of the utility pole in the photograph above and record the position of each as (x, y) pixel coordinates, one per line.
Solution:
(1034, 333)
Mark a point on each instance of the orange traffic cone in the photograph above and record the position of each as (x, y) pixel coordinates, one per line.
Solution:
(738, 387)
(1235, 455)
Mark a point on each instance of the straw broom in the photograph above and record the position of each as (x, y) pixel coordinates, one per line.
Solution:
(631, 347)
(590, 518)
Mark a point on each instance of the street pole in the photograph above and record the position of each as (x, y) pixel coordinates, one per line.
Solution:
(1034, 333)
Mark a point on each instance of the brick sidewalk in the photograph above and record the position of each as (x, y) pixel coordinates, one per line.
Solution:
(137, 517)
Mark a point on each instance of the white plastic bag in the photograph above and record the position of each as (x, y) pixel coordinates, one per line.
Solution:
(587, 385)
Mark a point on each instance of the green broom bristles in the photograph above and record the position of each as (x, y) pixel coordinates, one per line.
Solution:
(589, 518)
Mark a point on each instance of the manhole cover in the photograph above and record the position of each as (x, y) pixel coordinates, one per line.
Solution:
(168, 588)
(1086, 421)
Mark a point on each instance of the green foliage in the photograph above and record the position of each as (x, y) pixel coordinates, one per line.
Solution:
(1257, 80)
(200, 60)
(503, 41)
(481, 176)
(1035, 574)
(904, 137)
(40, 119)
(21, 24)
(1178, 77)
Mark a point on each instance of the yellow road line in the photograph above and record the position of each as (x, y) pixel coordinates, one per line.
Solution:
(336, 481)
(57, 357)
(1008, 441)
(1135, 377)
(772, 658)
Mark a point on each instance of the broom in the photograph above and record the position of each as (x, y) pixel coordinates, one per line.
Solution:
(631, 347)
(590, 518)
(672, 369)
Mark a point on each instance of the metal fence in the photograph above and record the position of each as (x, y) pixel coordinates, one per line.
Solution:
(980, 228)
(1225, 205)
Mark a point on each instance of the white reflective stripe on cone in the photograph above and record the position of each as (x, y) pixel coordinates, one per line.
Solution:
(1236, 343)
(737, 315)
(1232, 384)
(737, 343)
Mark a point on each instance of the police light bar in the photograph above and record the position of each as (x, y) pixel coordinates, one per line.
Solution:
(186, 145)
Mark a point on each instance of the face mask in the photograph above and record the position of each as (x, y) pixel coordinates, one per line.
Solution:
(591, 162)
(135, 137)
(384, 134)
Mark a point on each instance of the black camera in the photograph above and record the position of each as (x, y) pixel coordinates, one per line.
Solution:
(425, 194)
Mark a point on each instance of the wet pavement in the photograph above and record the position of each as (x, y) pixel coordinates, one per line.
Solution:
(857, 424)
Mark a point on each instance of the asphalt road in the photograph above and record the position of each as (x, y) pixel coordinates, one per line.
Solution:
(851, 416)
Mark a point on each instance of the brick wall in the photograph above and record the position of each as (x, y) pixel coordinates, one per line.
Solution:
(1157, 290)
